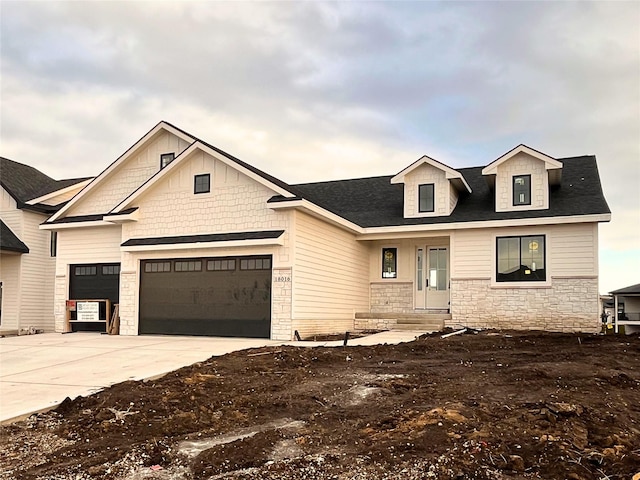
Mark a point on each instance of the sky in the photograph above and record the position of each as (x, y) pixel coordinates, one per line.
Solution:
(313, 91)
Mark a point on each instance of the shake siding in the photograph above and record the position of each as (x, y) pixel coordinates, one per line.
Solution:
(7, 203)
(10, 278)
(63, 197)
(128, 176)
(330, 277)
(87, 245)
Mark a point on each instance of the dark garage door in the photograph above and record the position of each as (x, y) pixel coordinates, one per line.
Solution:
(92, 282)
(229, 297)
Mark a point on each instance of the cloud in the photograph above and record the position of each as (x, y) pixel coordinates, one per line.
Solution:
(316, 90)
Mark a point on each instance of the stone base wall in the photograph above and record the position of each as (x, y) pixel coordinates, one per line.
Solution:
(281, 328)
(568, 305)
(396, 297)
(375, 323)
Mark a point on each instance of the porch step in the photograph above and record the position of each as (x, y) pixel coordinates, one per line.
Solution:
(410, 321)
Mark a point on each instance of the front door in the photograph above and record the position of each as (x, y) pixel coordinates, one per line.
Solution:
(432, 277)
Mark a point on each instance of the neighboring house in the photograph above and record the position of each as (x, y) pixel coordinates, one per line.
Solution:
(627, 308)
(190, 240)
(28, 198)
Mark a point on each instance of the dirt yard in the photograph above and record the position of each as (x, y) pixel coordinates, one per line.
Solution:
(494, 405)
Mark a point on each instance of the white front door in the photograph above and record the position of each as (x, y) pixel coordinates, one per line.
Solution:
(432, 277)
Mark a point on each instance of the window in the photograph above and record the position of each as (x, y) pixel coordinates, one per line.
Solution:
(221, 265)
(425, 198)
(166, 159)
(53, 246)
(111, 270)
(255, 264)
(202, 183)
(521, 259)
(157, 267)
(522, 190)
(188, 266)
(389, 262)
(86, 271)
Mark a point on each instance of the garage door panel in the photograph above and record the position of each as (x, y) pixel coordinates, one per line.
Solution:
(231, 300)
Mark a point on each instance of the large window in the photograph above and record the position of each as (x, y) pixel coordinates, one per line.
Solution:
(425, 198)
(389, 262)
(522, 190)
(521, 259)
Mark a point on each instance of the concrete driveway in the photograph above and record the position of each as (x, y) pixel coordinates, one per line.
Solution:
(37, 372)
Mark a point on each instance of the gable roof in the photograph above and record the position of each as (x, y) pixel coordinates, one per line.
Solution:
(631, 290)
(9, 240)
(281, 187)
(25, 183)
(376, 202)
(551, 164)
(451, 174)
(278, 186)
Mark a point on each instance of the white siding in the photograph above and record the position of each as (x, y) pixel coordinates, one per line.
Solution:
(10, 278)
(426, 174)
(63, 197)
(7, 203)
(87, 245)
(330, 277)
(128, 176)
(522, 164)
(571, 250)
(37, 275)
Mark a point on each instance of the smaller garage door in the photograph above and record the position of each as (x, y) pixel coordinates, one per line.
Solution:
(229, 296)
(91, 282)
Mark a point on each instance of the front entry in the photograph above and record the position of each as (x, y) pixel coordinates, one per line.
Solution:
(432, 278)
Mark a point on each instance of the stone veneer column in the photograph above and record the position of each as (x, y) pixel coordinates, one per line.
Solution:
(569, 305)
(128, 287)
(60, 303)
(281, 304)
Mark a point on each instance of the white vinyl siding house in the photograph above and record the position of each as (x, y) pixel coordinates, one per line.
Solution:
(326, 257)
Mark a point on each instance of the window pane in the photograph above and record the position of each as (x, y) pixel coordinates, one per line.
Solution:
(419, 270)
(389, 262)
(425, 200)
(522, 190)
(521, 259)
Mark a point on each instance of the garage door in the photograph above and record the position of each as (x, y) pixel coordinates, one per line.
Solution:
(92, 282)
(228, 296)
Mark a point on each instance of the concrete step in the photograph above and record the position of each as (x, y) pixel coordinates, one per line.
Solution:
(427, 327)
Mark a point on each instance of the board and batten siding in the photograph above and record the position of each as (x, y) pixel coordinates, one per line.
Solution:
(330, 277)
(128, 176)
(37, 275)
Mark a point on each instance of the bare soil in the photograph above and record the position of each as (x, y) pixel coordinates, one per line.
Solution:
(493, 405)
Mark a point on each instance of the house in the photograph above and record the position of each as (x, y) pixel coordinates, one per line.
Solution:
(188, 239)
(27, 263)
(627, 308)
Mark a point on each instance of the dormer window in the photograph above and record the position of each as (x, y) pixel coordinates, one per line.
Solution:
(425, 198)
(166, 159)
(522, 190)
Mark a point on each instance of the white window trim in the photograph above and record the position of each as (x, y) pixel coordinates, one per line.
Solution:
(547, 256)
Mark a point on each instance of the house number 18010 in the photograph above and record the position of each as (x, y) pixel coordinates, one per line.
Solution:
(283, 279)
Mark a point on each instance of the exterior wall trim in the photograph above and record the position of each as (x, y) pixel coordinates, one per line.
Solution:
(201, 245)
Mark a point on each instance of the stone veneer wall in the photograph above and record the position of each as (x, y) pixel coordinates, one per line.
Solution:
(392, 297)
(569, 305)
(60, 303)
(128, 288)
(375, 323)
(281, 304)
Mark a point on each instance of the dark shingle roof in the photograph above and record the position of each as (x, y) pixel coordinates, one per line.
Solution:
(9, 240)
(213, 237)
(25, 183)
(633, 289)
(375, 202)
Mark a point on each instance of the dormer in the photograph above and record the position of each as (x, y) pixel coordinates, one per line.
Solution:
(521, 179)
(431, 188)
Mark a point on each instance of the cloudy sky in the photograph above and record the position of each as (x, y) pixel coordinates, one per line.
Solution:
(317, 91)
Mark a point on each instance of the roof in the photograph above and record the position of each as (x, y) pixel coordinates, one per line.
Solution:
(24, 183)
(375, 202)
(9, 240)
(213, 237)
(632, 290)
